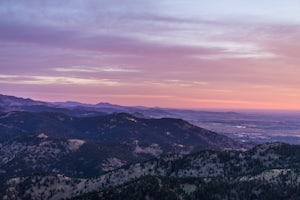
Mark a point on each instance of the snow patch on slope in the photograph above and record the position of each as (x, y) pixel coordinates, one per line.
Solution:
(112, 163)
(153, 149)
(131, 119)
(42, 136)
(75, 144)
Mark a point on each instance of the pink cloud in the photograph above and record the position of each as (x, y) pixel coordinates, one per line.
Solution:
(242, 63)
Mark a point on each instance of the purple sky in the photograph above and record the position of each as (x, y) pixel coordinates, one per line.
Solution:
(225, 54)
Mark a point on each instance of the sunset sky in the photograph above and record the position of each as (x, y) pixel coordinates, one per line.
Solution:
(226, 54)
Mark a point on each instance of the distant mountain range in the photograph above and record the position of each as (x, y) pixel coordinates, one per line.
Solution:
(70, 150)
(251, 128)
(11, 103)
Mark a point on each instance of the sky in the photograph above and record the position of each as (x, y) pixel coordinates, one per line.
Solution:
(216, 54)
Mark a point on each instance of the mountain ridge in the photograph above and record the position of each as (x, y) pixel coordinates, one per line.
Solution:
(270, 164)
(108, 128)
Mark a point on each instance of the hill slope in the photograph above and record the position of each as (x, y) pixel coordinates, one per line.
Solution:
(42, 154)
(242, 175)
(151, 135)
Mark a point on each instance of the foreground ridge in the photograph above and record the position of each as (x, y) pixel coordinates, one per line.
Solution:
(273, 165)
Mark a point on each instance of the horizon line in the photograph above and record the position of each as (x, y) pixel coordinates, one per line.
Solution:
(245, 110)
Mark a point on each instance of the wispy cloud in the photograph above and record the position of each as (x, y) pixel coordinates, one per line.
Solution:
(85, 69)
(55, 80)
(211, 52)
(177, 83)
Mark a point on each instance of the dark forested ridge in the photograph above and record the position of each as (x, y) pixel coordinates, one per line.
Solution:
(152, 187)
(268, 171)
(114, 127)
